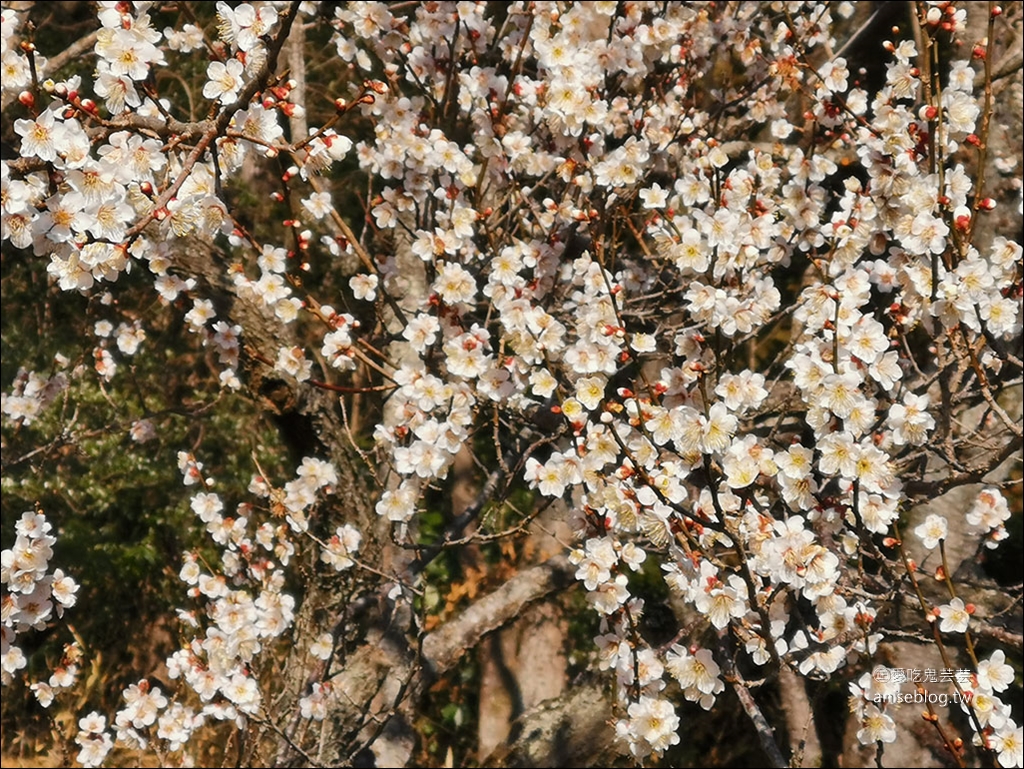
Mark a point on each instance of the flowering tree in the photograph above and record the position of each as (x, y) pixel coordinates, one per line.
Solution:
(716, 293)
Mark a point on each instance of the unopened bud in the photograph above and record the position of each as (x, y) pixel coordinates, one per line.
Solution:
(26, 98)
(987, 204)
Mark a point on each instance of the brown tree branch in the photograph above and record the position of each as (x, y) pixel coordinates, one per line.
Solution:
(443, 647)
(388, 667)
(571, 730)
(765, 733)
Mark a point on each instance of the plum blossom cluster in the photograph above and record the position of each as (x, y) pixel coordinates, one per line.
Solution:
(990, 513)
(876, 693)
(568, 329)
(90, 225)
(995, 675)
(242, 606)
(33, 597)
(31, 392)
(719, 338)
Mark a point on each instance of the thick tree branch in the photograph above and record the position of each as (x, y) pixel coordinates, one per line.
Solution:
(765, 733)
(443, 647)
(571, 730)
(386, 668)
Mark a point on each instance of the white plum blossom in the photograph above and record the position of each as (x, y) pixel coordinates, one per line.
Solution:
(877, 726)
(224, 81)
(954, 617)
(652, 726)
(341, 548)
(932, 531)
